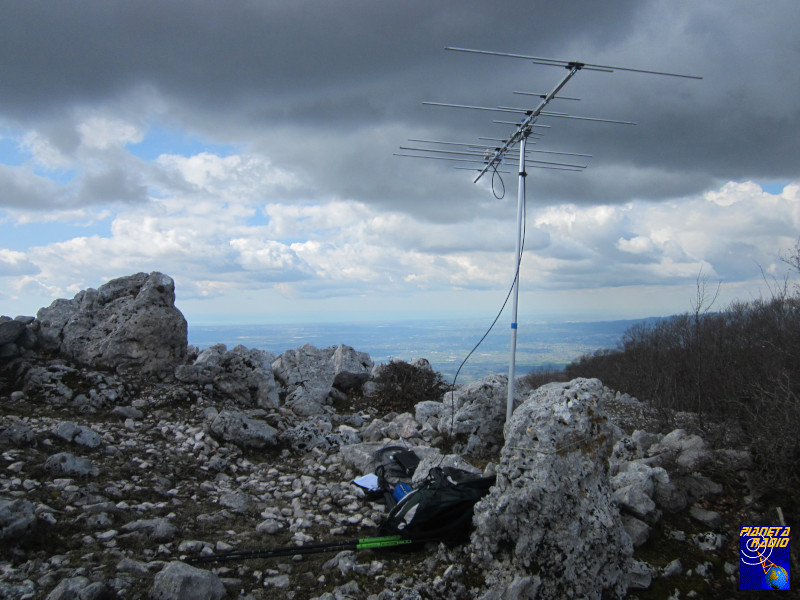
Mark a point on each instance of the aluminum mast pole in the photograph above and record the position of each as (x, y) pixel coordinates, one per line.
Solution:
(518, 257)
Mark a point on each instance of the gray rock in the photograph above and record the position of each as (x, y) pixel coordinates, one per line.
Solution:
(239, 429)
(436, 460)
(236, 501)
(428, 411)
(158, 530)
(69, 465)
(17, 520)
(639, 575)
(637, 529)
(17, 434)
(127, 412)
(552, 505)
(669, 497)
(707, 517)
(69, 589)
(83, 436)
(309, 373)
(279, 582)
(244, 375)
(708, 541)
(10, 330)
(129, 324)
(672, 569)
(477, 410)
(179, 581)
(351, 368)
(634, 489)
(680, 450)
(17, 591)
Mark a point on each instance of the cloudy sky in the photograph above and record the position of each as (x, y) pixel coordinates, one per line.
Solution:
(246, 149)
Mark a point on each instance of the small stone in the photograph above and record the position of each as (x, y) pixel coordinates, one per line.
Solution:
(673, 568)
(280, 582)
(707, 517)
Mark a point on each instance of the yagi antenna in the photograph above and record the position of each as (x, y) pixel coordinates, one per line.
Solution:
(490, 156)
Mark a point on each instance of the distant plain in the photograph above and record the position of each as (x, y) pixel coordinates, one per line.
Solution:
(444, 343)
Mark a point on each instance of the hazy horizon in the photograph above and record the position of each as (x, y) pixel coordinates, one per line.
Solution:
(445, 343)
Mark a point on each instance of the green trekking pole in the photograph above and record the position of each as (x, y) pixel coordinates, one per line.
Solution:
(318, 548)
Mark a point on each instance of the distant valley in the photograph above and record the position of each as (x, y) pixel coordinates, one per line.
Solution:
(444, 343)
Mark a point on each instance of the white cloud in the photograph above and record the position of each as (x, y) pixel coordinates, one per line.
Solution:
(236, 178)
(733, 192)
(15, 263)
(101, 133)
(636, 245)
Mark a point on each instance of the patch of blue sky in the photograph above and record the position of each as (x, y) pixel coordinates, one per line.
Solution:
(161, 140)
(23, 237)
(10, 153)
(59, 176)
(774, 187)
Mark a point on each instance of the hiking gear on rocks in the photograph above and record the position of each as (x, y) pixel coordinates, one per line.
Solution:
(440, 508)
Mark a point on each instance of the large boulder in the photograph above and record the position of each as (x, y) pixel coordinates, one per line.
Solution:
(550, 527)
(129, 324)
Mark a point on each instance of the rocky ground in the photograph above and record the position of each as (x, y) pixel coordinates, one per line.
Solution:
(111, 481)
(117, 495)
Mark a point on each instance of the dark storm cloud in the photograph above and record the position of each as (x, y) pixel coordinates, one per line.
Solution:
(330, 89)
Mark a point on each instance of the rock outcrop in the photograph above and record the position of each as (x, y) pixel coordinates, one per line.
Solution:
(129, 324)
(550, 527)
(310, 375)
(242, 374)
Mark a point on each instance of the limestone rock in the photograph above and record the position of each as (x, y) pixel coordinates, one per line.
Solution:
(437, 460)
(237, 428)
(69, 465)
(309, 374)
(83, 436)
(552, 505)
(243, 374)
(129, 324)
(634, 489)
(179, 581)
(17, 520)
(157, 530)
(684, 451)
(17, 434)
(478, 412)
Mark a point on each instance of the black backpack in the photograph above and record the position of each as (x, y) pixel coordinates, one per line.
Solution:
(440, 508)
